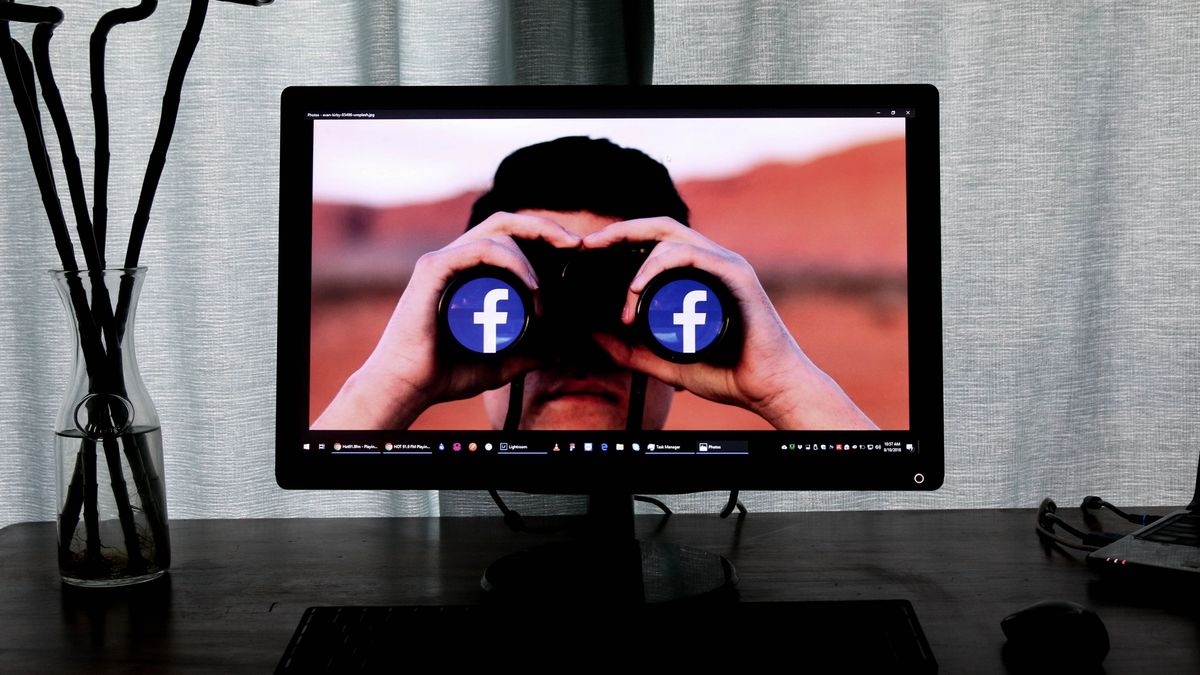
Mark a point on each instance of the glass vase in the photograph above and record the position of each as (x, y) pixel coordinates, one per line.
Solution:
(112, 518)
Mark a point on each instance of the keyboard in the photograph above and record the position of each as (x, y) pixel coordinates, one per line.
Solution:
(856, 635)
(1182, 529)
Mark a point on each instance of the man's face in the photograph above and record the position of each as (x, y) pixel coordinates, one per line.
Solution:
(569, 396)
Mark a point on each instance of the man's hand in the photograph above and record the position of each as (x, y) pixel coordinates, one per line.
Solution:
(403, 376)
(773, 377)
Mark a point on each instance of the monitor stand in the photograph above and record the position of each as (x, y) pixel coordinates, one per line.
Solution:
(608, 564)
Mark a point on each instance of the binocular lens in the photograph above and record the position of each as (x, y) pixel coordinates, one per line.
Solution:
(486, 313)
(686, 315)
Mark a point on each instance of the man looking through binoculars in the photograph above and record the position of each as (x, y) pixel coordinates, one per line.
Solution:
(579, 196)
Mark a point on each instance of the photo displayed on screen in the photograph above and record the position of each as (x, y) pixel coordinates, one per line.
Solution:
(731, 273)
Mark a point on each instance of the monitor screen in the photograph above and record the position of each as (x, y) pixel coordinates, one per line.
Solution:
(570, 289)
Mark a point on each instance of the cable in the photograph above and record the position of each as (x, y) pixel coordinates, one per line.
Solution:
(1047, 517)
(516, 523)
(512, 519)
(512, 420)
(732, 504)
(1195, 503)
(1094, 503)
(637, 399)
(1044, 527)
(651, 500)
(516, 401)
(637, 402)
(1089, 541)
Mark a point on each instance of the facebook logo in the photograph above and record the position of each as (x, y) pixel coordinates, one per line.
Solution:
(486, 315)
(685, 316)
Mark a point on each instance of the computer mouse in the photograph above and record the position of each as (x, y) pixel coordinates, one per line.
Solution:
(1055, 633)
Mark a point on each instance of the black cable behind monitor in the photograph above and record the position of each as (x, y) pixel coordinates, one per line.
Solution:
(655, 502)
(1195, 503)
(516, 401)
(733, 503)
(637, 402)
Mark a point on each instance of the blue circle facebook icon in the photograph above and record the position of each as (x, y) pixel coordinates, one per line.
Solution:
(486, 315)
(685, 316)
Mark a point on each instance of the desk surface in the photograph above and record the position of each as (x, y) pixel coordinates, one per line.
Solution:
(237, 588)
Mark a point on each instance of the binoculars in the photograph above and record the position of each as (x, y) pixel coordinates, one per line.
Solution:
(684, 314)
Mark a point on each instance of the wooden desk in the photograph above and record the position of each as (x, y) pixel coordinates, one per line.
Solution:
(238, 587)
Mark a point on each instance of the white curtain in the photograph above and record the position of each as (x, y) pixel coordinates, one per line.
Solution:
(1070, 241)
(1071, 258)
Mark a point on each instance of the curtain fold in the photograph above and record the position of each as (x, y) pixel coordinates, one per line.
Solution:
(1069, 159)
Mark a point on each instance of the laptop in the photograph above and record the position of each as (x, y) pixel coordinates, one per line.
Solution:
(1168, 548)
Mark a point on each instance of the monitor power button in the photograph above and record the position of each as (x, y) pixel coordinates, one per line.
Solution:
(919, 478)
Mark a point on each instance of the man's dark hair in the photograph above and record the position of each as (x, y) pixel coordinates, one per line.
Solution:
(577, 173)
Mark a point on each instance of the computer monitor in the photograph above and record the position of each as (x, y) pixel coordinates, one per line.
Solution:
(610, 290)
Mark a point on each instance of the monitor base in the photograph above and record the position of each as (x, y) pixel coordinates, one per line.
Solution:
(632, 572)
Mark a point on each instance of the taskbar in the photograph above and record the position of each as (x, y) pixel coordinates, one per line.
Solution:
(463, 444)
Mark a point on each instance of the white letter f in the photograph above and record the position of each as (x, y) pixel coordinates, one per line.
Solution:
(489, 318)
(689, 318)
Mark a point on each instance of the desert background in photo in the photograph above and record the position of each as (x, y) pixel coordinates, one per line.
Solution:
(826, 235)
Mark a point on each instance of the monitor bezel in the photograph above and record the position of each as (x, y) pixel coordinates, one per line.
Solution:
(924, 470)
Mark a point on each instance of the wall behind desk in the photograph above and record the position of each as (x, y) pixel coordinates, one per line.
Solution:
(1071, 252)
